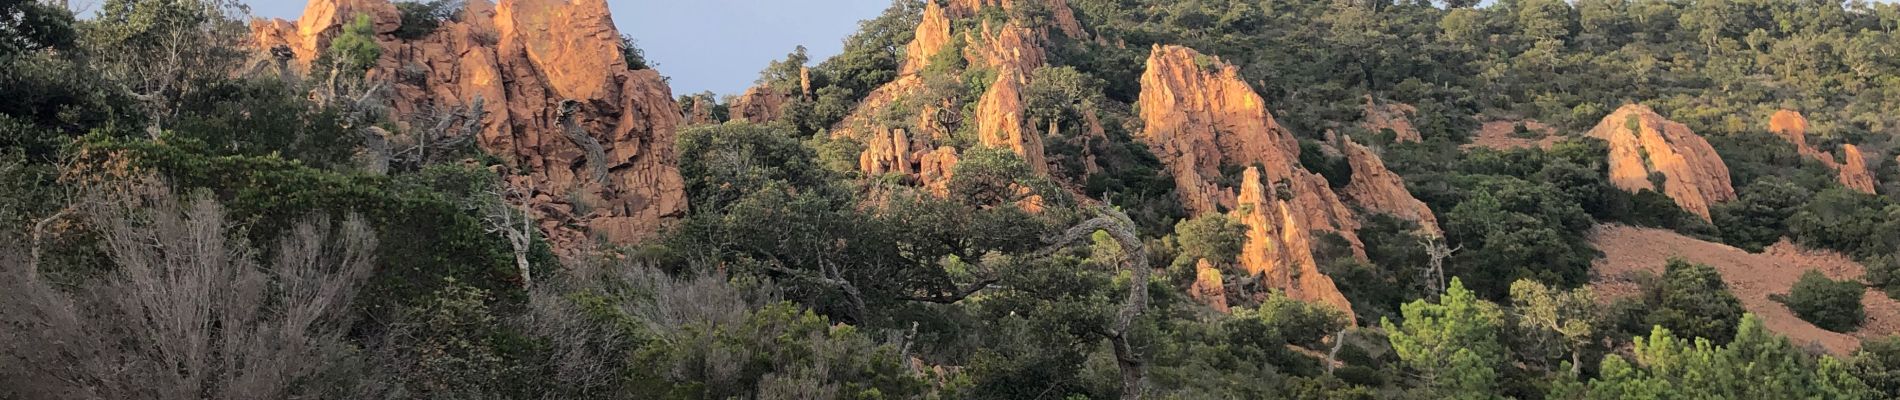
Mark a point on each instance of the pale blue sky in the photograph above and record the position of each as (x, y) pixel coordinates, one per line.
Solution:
(717, 45)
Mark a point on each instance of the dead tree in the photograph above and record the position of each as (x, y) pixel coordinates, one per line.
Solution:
(1434, 272)
(590, 148)
(436, 133)
(186, 312)
(501, 217)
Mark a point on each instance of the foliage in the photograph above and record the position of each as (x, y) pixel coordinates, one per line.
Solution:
(189, 295)
(1877, 364)
(1759, 217)
(630, 51)
(1756, 365)
(1855, 223)
(1830, 304)
(420, 18)
(29, 26)
(1454, 344)
(1692, 299)
(356, 48)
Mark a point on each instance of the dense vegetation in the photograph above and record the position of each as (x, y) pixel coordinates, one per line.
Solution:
(174, 225)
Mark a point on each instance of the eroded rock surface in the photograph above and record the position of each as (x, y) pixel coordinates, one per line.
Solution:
(1377, 189)
(1279, 247)
(542, 70)
(1854, 173)
(1207, 287)
(1647, 151)
(1203, 122)
(1396, 117)
(1852, 167)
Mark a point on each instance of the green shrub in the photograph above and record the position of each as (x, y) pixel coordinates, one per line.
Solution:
(1830, 304)
(1692, 300)
(421, 18)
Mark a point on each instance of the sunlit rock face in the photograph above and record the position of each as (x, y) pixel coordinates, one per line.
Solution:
(523, 60)
(1646, 148)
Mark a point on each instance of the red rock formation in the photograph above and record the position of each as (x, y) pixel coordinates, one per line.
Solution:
(1011, 47)
(760, 104)
(1279, 248)
(524, 59)
(1199, 117)
(933, 33)
(701, 113)
(1790, 125)
(935, 168)
(1207, 287)
(999, 121)
(1643, 143)
(1394, 116)
(1377, 189)
(1854, 172)
(888, 152)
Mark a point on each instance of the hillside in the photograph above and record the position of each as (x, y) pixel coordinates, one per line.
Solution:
(972, 199)
(1751, 276)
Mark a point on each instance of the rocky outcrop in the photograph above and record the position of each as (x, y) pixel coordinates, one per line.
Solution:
(701, 113)
(1279, 247)
(999, 121)
(1198, 119)
(1854, 172)
(556, 94)
(1396, 117)
(1377, 189)
(1852, 167)
(933, 33)
(1201, 119)
(1793, 127)
(893, 151)
(760, 104)
(1011, 47)
(1012, 51)
(1647, 150)
(1208, 286)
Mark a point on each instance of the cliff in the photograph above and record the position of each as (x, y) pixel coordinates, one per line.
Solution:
(1279, 247)
(558, 100)
(1377, 189)
(1201, 119)
(1011, 50)
(1646, 148)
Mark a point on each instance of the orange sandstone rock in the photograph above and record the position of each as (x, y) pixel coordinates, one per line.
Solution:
(1378, 189)
(1852, 167)
(1207, 287)
(1643, 144)
(933, 33)
(1200, 118)
(1854, 173)
(1279, 248)
(999, 121)
(1394, 116)
(760, 104)
(525, 60)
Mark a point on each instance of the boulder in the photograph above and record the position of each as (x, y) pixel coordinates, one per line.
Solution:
(1647, 151)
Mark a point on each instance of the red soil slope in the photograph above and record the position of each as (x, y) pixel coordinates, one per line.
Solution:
(1752, 277)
